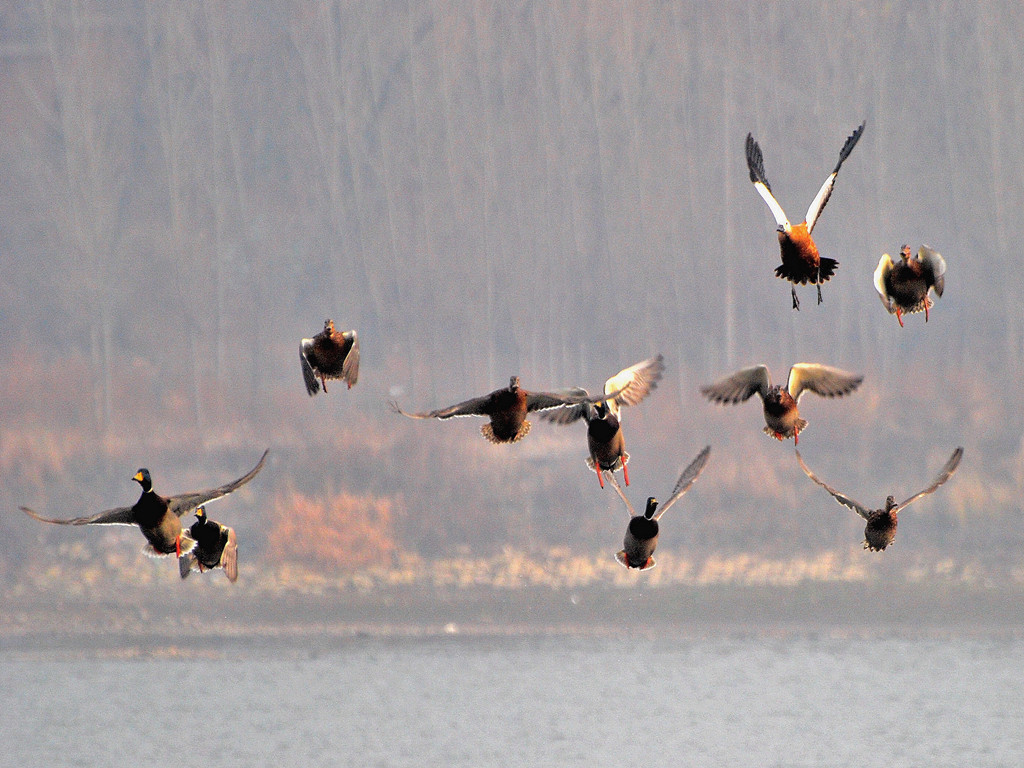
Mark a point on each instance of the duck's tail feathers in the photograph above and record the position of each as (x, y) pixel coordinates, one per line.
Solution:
(615, 467)
(798, 274)
(487, 431)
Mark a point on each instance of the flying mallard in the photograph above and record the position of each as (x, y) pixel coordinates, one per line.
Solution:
(881, 523)
(780, 404)
(604, 424)
(330, 354)
(158, 517)
(216, 547)
(641, 537)
(506, 408)
(903, 285)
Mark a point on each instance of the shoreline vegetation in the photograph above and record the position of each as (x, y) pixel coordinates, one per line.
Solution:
(145, 611)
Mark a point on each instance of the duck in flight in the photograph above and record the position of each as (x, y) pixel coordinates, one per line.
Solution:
(158, 517)
(330, 354)
(641, 537)
(506, 409)
(605, 441)
(781, 415)
(801, 263)
(881, 523)
(903, 285)
(216, 547)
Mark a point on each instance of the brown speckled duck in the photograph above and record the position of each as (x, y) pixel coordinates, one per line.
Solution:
(641, 537)
(801, 263)
(158, 517)
(881, 523)
(780, 404)
(605, 442)
(330, 354)
(216, 547)
(506, 408)
(903, 285)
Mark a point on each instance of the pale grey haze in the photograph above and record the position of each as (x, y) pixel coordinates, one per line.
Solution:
(549, 190)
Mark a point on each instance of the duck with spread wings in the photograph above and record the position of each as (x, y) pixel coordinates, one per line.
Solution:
(641, 537)
(881, 523)
(158, 517)
(781, 415)
(507, 409)
(801, 262)
(605, 441)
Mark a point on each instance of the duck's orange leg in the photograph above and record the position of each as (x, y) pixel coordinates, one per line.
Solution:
(600, 478)
(625, 472)
(177, 545)
(899, 316)
(323, 381)
(926, 309)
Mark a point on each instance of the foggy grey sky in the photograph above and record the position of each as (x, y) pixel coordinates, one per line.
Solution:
(554, 190)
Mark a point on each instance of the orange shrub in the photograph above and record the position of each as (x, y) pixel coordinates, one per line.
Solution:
(342, 532)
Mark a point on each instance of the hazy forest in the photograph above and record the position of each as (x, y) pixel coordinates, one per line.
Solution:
(552, 190)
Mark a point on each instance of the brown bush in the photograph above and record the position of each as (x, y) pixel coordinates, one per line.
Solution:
(341, 532)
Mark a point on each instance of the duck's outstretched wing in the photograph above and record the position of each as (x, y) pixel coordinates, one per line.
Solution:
(308, 375)
(740, 386)
(184, 503)
(881, 274)
(755, 164)
(229, 558)
(477, 406)
(944, 475)
(618, 489)
(635, 383)
(686, 480)
(842, 498)
(543, 401)
(822, 380)
(117, 516)
(934, 267)
(570, 413)
(820, 199)
(350, 368)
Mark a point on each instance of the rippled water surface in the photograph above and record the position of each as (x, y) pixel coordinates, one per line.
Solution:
(528, 701)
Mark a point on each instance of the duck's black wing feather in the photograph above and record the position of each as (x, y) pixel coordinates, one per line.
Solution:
(117, 516)
(184, 503)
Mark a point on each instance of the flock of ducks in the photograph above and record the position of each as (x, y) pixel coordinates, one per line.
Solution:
(902, 285)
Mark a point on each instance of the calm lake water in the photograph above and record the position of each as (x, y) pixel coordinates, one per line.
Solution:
(806, 700)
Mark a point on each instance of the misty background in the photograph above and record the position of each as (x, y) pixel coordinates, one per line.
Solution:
(549, 190)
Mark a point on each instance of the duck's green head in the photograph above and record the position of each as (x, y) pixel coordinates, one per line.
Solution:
(142, 478)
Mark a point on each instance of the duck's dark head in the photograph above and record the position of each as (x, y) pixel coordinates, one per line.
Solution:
(142, 478)
(328, 326)
(890, 504)
(601, 409)
(652, 507)
(905, 252)
(201, 514)
(513, 384)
